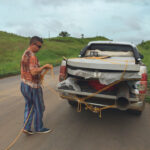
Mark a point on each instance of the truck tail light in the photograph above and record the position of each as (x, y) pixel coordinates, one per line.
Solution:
(143, 84)
(63, 71)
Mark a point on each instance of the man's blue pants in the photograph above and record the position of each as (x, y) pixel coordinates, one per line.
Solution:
(33, 97)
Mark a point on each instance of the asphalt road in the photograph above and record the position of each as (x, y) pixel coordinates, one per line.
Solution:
(71, 130)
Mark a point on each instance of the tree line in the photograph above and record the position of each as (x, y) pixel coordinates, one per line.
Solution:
(66, 34)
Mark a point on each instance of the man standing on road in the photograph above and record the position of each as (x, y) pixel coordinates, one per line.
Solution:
(31, 87)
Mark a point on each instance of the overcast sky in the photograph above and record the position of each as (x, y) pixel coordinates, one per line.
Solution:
(119, 20)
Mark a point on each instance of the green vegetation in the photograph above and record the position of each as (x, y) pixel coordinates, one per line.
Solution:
(12, 47)
(144, 49)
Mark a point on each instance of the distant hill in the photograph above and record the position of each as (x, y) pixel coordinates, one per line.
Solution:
(12, 47)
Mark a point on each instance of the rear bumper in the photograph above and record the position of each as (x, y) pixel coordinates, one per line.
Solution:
(135, 103)
(71, 92)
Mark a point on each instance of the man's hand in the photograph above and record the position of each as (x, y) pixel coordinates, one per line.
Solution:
(40, 69)
(48, 66)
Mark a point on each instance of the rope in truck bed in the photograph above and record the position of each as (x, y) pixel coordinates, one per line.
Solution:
(82, 100)
(91, 107)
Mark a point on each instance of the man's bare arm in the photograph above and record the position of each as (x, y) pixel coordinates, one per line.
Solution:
(36, 71)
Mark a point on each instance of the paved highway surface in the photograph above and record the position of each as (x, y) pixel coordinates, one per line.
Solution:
(71, 130)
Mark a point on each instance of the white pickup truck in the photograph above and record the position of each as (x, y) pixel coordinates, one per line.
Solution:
(100, 65)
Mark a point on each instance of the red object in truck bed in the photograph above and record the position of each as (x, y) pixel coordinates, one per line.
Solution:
(95, 84)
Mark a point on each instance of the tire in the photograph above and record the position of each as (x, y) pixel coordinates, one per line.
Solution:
(72, 103)
(137, 112)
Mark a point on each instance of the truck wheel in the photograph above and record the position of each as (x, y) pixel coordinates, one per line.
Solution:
(137, 112)
(73, 103)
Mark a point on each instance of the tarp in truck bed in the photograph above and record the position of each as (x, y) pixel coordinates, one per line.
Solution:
(104, 77)
(112, 63)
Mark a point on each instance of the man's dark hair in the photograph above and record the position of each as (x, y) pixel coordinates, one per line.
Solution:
(34, 39)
